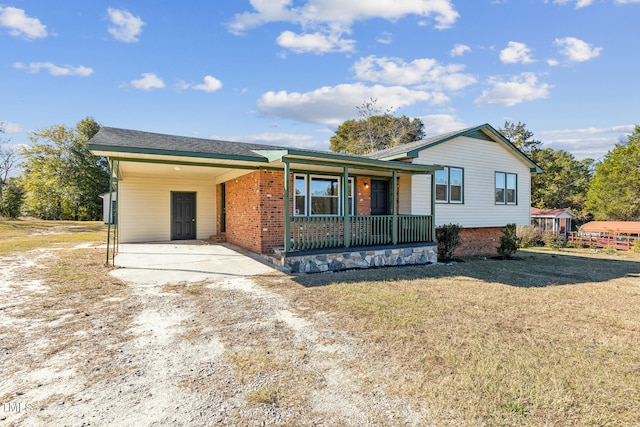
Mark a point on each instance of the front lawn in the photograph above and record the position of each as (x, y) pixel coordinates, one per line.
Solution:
(551, 339)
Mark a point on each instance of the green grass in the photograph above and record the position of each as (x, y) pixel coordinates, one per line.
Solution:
(28, 234)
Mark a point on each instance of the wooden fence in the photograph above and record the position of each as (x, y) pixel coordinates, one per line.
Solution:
(624, 243)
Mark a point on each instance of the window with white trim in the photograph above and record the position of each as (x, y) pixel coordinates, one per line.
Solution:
(506, 188)
(320, 195)
(300, 195)
(449, 185)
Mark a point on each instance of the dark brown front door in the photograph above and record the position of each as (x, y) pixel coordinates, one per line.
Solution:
(379, 197)
(183, 216)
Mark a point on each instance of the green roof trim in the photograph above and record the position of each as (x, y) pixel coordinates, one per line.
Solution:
(331, 159)
(177, 153)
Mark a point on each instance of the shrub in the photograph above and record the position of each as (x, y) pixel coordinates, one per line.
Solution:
(11, 199)
(509, 241)
(636, 246)
(554, 241)
(529, 236)
(448, 237)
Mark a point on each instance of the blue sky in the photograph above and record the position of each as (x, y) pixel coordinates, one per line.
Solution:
(288, 72)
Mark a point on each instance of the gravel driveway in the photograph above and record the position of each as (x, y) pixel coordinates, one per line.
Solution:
(186, 344)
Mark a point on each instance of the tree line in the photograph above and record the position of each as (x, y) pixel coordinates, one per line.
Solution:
(61, 179)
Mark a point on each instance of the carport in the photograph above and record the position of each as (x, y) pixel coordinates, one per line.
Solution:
(194, 261)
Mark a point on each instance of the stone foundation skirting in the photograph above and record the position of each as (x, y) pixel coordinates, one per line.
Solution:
(352, 259)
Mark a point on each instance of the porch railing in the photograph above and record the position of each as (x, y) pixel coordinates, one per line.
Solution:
(328, 231)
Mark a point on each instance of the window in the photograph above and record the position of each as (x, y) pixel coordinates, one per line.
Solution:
(320, 195)
(300, 195)
(506, 188)
(449, 185)
(325, 196)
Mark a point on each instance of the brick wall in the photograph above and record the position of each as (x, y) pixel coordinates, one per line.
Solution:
(479, 241)
(363, 195)
(254, 207)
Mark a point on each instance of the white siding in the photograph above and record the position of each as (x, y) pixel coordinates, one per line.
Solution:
(421, 184)
(480, 160)
(404, 194)
(144, 206)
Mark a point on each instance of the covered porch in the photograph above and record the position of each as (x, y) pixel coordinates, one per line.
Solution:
(343, 212)
(276, 202)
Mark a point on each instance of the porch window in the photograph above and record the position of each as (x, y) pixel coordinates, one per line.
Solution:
(325, 196)
(320, 195)
(506, 188)
(300, 195)
(449, 185)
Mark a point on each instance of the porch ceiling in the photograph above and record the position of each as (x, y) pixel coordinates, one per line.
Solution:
(219, 174)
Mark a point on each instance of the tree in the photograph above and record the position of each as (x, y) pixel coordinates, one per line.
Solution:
(375, 130)
(61, 178)
(519, 136)
(12, 199)
(8, 159)
(564, 183)
(615, 189)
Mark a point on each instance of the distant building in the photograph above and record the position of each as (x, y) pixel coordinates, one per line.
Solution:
(552, 221)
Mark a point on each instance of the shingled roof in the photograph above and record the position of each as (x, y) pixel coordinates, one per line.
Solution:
(134, 141)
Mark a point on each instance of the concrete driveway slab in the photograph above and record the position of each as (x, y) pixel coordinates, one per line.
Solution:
(193, 261)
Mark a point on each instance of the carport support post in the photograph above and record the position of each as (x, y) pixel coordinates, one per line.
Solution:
(110, 210)
(287, 225)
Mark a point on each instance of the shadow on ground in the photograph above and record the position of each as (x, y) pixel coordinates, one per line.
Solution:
(533, 269)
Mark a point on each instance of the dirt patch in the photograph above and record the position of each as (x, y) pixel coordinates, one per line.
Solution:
(80, 347)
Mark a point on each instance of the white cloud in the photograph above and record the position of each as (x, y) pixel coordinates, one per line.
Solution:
(333, 18)
(553, 62)
(385, 38)
(20, 25)
(125, 27)
(55, 70)
(211, 84)
(459, 50)
(626, 1)
(10, 127)
(282, 140)
(436, 124)
(579, 3)
(332, 105)
(619, 129)
(593, 142)
(576, 50)
(426, 73)
(520, 88)
(338, 13)
(315, 42)
(516, 52)
(147, 82)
